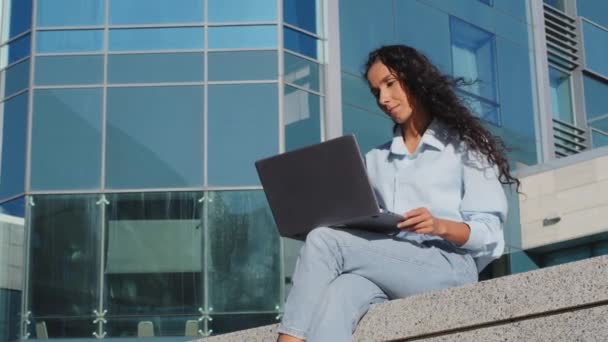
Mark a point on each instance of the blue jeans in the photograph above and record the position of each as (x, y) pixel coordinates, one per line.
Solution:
(341, 272)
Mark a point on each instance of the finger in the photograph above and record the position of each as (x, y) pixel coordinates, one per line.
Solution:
(417, 211)
(412, 221)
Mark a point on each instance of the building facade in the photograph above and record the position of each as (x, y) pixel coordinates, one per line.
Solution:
(129, 129)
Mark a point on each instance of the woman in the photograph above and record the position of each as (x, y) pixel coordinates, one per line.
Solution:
(443, 170)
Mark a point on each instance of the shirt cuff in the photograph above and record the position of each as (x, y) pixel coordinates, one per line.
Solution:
(476, 236)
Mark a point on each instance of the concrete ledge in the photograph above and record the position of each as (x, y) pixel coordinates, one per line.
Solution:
(565, 303)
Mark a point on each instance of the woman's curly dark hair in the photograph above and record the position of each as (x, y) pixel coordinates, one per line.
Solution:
(436, 93)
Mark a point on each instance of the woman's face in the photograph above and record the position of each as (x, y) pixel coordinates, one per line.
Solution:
(390, 95)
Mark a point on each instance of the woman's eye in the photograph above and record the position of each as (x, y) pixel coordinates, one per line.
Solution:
(390, 83)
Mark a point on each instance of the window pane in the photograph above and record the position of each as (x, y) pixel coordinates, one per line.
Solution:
(596, 97)
(237, 111)
(12, 246)
(155, 137)
(370, 129)
(56, 70)
(591, 9)
(484, 110)
(233, 37)
(561, 101)
(157, 67)
(601, 124)
(13, 129)
(236, 65)
(178, 38)
(244, 249)
(70, 13)
(473, 58)
(154, 264)
(69, 41)
(599, 139)
(15, 78)
(303, 72)
(64, 263)
(596, 48)
(225, 323)
(302, 118)
(123, 12)
(303, 14)
(16, 18)
(302, 43)
(66, 139)
(242, 10)
(15, 50)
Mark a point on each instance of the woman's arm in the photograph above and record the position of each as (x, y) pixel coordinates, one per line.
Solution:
(421, 221)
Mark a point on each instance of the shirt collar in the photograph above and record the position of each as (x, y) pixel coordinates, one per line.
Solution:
(433, 136)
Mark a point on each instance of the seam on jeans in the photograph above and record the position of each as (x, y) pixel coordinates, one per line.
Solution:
(361, 314)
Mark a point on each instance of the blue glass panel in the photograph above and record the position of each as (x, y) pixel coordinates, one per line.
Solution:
(371, 129)
(70, 13)
(16, 18)
(473, 58)
(596, 97)
(15, 78)
(155, 137)
(355, 91)
(484, 110)
(303, 72)
(596, 48)
(242, 10)
(561, 101)
(69, 41)
(599, 139)
(361, 32)
(132, 12)
(593, 10)
(156, 67)
(13, 126)
(14, 207)
(410, 18)
(232, 66)
(240, 115)
(66, 139)
(302, 13)
(601, 124)
(233, 37)
(177, 38)
(301, 43)
(15, 50)
(56, 70)
(488, 2)
(559, 4)
(302, 118)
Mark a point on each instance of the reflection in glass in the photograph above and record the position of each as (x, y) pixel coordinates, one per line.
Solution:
(225, 323)
(561, 100)
(244, 254)
(303, 14)
(13, 130)
(599, 139)
(156, 67)
(12, 246)
(15, 78)
(243, 127)
(302, 118)
(596, 97)
(171, 38)
(473, 58)
(15, 50)
(596, 48)
(69, 41)
(237, 65)
(235, 37)
(70, 13)
(64, 263)
(242, 10)
(154, 137)
(66, 139)
(301, 43)
(16, 18)
(303, 72)
(153, 266)
(134, 12)
(68, 70)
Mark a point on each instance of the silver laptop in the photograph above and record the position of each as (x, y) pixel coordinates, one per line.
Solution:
(322, 185)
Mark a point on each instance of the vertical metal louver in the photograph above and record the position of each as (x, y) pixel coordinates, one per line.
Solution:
(562, 40)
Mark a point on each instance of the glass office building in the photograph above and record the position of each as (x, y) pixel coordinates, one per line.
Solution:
(128, 198)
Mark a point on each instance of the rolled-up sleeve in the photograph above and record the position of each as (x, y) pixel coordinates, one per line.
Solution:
(484, 210)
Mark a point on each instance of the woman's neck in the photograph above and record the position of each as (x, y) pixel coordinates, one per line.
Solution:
(413, 129)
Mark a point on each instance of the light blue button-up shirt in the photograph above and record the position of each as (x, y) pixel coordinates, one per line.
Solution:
(453, 183)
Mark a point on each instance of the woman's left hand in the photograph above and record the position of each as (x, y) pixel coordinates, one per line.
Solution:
(421, 221)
